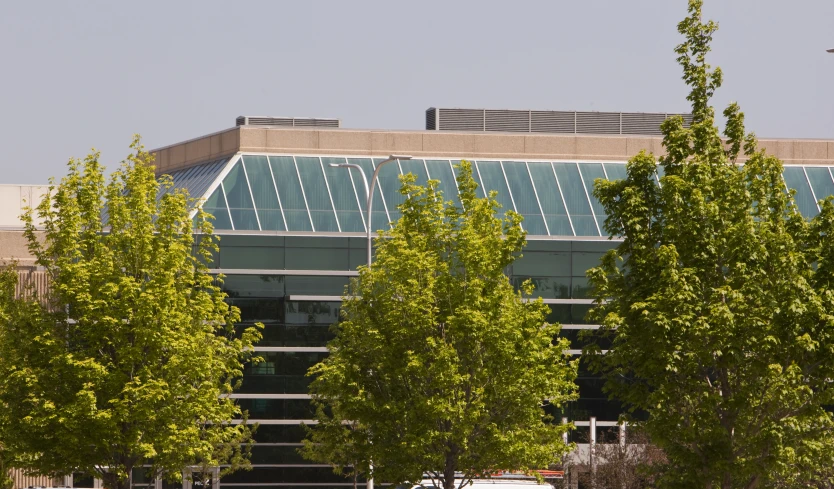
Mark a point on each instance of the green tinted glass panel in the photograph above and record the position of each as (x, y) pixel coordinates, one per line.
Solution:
(389, 183)
(547, 245)
(543, 263)
(263, 189)
(281, 455)
(582, 262)
(590, 172)
(244, 219)
(550, 199)
(795, 179)
(525, 197)
(417, 168)
(615, 171)
(265, 310)
(315, 191)
(311, 312)
(579, 313)
(317, 258)
(273, 384)
(546, 287)
(292, 433)
(344, 195)
(442, 170)
(582, 337)
(289, 189)
(250, 257)
(580, 288)
(277, 408)
(237, 190)
(493, 179)
(568, 313)
(254, 286)
(574, 193)
(295, 334)
(271, 220)
(820, 181)
(380, 217)
(593, 246)
(317, 242)
(305, 285)
(216, 206)
(284, 363)
(239, 199)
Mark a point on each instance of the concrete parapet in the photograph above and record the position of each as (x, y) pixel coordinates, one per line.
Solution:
(447, 144)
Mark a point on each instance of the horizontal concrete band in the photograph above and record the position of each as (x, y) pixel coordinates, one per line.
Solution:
(449, 144)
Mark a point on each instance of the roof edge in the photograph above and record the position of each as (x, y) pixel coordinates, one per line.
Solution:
(446, 144)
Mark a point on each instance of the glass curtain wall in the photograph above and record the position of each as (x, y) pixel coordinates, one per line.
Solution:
(293, 283)
(304, 193)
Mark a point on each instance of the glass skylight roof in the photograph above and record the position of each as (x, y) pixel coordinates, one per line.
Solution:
(303, 193)
(199, 178)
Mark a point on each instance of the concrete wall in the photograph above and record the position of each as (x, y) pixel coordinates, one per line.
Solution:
(320, 141)
(13, 200)
(14, 247)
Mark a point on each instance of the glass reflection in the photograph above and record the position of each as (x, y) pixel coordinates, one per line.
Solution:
(289, 189)
(263, 189)
(315, 191)
(525, 197)
(344, 195)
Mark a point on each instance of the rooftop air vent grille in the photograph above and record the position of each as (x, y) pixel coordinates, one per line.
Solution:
(287, 121)
(550, 121)
(460, 120)
(507, 120)
(541, 121)
(598, 123)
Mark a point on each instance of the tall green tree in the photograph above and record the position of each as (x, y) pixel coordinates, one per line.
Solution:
(719, 300)
(129, 358)
(439, 364)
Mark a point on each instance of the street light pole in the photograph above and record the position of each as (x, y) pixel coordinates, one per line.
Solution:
(369, 189)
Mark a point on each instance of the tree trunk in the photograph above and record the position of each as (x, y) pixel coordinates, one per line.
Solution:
(449, 471)
(111, 481)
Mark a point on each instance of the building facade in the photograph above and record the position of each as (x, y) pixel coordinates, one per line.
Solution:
(293, 232)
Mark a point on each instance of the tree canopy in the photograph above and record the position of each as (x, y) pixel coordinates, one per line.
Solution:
(127, 360)
(439, 366)
(719, 300)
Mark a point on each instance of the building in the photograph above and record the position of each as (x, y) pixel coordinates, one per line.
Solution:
(293, 232)
(13, 249)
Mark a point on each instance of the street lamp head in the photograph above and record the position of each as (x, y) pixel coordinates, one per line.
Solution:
(335, 165)
(400, 157)
(830, 51)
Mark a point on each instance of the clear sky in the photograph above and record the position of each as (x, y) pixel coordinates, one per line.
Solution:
(84, 74)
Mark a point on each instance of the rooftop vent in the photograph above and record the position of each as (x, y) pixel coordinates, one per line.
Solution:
(548, 121)
(287, 121)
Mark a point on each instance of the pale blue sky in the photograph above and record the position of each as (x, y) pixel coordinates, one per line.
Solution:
(87, 74)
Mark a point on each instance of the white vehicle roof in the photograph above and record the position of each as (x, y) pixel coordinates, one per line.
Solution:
(492, 484)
